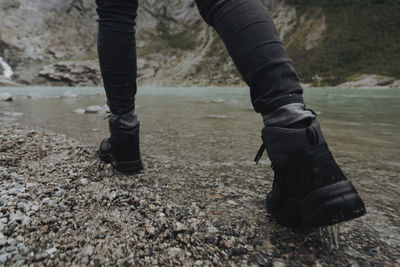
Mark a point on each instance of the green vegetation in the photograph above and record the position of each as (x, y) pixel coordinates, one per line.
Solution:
(186, 40)
(362, 37)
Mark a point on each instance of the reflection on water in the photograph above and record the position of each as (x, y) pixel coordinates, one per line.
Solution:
(359, 124)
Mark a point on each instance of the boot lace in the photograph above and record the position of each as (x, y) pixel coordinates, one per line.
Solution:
(260, 153)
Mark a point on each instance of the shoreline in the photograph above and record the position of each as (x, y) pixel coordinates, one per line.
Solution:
(364, 81)
(61, 205)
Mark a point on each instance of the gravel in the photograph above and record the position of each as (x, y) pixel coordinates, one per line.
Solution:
(60, 205)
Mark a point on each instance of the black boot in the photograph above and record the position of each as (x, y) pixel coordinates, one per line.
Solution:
(121, 149)
(309, 189)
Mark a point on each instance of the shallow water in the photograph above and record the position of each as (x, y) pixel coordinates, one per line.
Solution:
(362, 123)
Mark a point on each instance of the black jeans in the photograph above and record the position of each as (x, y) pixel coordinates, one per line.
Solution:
(246, 29)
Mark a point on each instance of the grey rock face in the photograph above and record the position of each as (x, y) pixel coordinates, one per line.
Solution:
(83, 73)
(54, 42)
(34, 33)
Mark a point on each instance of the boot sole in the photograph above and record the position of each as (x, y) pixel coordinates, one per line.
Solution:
(128, 167)
(325, 206)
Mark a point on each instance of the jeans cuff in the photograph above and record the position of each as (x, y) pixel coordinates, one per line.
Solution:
(281, 101)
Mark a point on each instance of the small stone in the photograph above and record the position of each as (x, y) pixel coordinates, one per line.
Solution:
(80, 111)
(41, 256)
(35, 207)
(21, 205)
(261, 261)
(386, 81)
(22, 249)
(69, 94)
(218, 196)
(20, 262)
(231, 202)
(6, 97)
(51, 250)
(174, 251)
(278, 264)
(180, 227)
(85, 260)
(3, 258)
(84, 181)
(238, 251)
(47, 201)
(93, 109)
(11, 249)
(228, 243)
(217, 116)
(32, 185)
(112, 195)
(121, 262)
(87, 251)
(143, 203)
(3, 242)
(212, 229)
(194, 223)
(151, 230)
(11, 241)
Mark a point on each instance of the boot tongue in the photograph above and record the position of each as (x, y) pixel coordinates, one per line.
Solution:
(281, 142)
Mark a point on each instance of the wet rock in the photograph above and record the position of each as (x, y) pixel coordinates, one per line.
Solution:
(80, 111)
(217, 116)
(94, 109)
(6, 97)
(369, 81)
(384, 82)
(69, 94)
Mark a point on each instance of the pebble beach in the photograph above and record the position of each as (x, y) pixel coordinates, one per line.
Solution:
(61, 206)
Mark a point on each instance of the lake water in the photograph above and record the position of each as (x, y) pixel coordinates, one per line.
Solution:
(360, 123)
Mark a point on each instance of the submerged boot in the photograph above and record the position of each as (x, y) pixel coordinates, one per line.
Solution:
(309, 189)
(121, 149)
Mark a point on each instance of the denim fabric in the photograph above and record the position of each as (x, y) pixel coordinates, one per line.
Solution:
(117, 52)
(288, 115)
(244, 26)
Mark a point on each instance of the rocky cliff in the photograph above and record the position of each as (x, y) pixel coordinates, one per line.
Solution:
(54, 42)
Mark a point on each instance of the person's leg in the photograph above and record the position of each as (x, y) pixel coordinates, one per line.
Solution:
(254, 45)
(117, 57)
(309, 188)
(117, 52)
